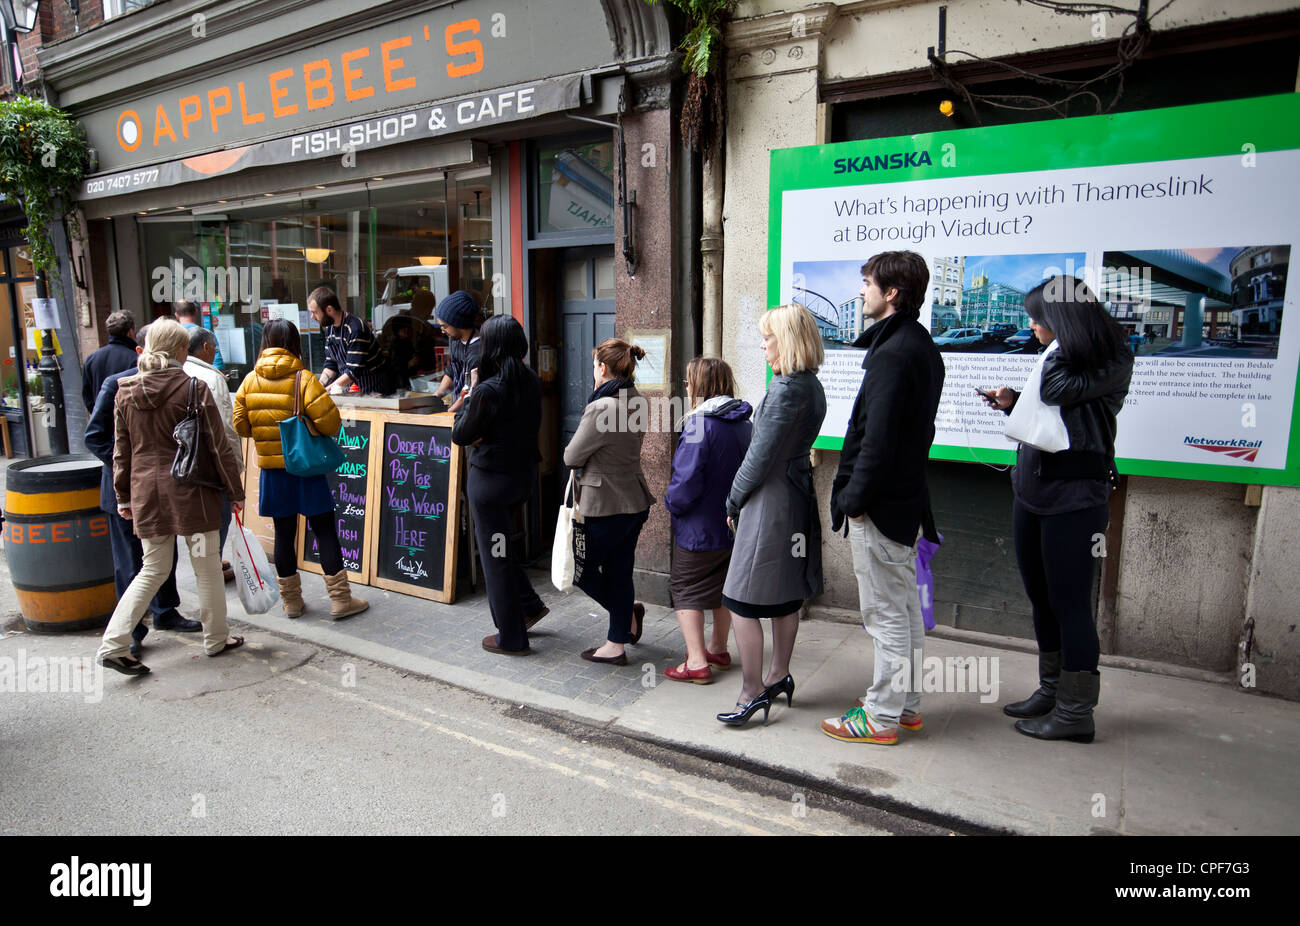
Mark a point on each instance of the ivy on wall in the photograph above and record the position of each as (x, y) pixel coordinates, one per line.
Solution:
(43, 157)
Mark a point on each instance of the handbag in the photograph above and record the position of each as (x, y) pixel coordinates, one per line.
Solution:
(569, 550)
(1034, 422)
(306, 451)
(194, 462)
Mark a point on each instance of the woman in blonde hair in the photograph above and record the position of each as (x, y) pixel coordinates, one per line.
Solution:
(612, 493)
(776, 563)
(715, 436)
(149, 405)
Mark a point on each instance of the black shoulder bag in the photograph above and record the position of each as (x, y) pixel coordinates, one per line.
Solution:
(194, 461)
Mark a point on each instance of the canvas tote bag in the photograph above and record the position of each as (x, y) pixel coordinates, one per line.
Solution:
(569, 550)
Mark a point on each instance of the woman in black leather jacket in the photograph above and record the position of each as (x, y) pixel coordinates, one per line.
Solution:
(1061, 508)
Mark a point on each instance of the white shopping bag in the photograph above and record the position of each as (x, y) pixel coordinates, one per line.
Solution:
(258, 590)
(568, 528)
(1032, 421)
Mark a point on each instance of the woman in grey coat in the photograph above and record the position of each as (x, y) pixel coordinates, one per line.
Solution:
(772, 507)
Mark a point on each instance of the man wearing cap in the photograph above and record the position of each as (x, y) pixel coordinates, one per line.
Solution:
(459, 317)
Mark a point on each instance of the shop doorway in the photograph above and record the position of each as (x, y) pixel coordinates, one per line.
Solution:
(586, 316)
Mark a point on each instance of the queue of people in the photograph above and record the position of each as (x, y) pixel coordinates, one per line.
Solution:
(744, 512)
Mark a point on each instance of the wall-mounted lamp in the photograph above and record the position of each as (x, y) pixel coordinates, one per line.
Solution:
(316, 255)
(430, 261)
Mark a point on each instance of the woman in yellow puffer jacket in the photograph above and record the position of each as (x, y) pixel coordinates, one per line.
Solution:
(264, 400)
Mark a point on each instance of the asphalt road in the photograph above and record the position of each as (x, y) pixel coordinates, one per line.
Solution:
(285, 738)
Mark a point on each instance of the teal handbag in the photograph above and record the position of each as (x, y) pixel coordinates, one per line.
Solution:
(306, 453)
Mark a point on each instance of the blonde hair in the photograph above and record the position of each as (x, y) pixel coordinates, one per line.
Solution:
(798, 342)
(166, 341)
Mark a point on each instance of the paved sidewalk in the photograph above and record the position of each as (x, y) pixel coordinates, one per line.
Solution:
(1172, 756)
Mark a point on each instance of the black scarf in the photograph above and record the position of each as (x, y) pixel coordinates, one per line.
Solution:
(609, 388)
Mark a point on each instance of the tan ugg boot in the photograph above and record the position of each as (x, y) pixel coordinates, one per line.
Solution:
(342, 604)
(291, 595)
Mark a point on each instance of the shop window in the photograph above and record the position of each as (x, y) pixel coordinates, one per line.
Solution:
(386, 252)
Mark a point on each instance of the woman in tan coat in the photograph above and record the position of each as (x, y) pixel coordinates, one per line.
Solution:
(148, 408)
(612, 493)
(265, 399)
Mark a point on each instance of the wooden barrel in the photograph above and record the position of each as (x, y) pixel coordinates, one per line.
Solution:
(57, 545)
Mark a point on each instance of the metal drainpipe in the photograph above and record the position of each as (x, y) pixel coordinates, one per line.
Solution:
(711, 250)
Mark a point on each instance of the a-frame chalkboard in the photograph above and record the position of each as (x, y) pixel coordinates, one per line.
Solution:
(416, 483)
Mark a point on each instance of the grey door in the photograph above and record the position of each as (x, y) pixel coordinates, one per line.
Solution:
(586, 318)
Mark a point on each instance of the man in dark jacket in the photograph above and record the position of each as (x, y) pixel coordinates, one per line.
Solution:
(128, 553)
(114, 357)
(880, 487)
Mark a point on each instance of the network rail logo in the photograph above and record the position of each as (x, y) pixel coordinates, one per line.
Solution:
(1239, 448)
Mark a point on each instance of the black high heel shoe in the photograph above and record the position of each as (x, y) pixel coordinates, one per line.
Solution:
(740, 716)
(773, 691)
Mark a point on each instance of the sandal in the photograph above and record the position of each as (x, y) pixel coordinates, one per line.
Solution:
(239, 641)
(124, 664)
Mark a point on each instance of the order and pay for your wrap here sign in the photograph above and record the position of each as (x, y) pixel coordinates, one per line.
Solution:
(1178, 219)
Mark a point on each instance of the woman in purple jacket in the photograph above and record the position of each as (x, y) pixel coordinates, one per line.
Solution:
(715, 436)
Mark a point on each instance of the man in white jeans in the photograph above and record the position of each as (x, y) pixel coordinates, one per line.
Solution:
(880, 488)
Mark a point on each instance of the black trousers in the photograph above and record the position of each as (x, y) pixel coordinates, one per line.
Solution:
(607, 571)
(128, 558)
(493, 500)
(1058, 556)
(324, 526)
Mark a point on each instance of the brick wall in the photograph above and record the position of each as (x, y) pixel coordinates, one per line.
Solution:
(54, 22)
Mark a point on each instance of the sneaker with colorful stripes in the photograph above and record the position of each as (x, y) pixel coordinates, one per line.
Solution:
(857, 726)
(911, 720)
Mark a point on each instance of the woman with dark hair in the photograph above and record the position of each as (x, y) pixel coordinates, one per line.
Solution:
(499, 424)
(612, 493)
(1061, 505)
(266, 398)
(715, 436)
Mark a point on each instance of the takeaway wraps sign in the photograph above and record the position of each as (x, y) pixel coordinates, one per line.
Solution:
(1181, 221)
(445, 117)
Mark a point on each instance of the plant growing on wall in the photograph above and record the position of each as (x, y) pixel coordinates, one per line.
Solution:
(43, 156)
(704, 111)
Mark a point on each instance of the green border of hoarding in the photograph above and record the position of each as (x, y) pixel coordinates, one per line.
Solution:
(1269, 123)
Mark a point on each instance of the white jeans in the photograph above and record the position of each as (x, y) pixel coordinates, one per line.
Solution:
(891, 613)
(205, 557)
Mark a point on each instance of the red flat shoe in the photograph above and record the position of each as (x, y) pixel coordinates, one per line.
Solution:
(682, 674)
(720, 660)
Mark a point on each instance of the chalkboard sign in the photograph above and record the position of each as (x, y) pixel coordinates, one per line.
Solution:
(350, 486)
(417, 489)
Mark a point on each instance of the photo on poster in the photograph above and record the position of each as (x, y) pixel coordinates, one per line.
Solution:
(1236, 293)
(829, 289)
(978, 301)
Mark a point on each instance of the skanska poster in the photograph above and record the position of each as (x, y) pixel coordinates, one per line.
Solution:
(1180, 220)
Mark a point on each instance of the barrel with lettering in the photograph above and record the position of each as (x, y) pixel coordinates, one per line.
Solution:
(56, 542)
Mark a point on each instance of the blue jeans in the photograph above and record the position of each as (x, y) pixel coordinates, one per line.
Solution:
(225, 522)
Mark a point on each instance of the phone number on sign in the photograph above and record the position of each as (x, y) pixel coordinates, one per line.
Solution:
(124, 181)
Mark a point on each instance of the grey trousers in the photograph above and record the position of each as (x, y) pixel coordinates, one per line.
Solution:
(891, 613)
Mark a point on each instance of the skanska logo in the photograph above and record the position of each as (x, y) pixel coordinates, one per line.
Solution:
(882, 162)
(1237, 447)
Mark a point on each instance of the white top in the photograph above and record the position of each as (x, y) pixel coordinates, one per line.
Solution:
(215, 380)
